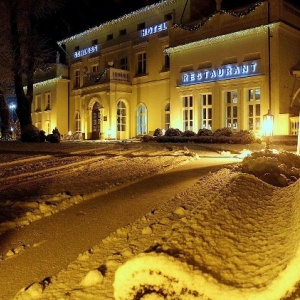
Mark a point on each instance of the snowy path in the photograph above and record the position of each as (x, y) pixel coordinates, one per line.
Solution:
(53, 242)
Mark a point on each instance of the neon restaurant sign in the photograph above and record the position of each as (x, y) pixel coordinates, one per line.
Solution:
(225, 72)
(85, 51)
(153, 29)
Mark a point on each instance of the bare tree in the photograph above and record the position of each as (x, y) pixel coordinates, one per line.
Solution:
(23, 50)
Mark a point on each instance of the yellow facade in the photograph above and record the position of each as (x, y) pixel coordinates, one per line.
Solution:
(50, 101)
(168, 65)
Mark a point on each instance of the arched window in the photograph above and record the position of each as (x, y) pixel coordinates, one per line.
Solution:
(141, 119)
(167, 116)
(96, 117)
(121, 116)
(77, 122)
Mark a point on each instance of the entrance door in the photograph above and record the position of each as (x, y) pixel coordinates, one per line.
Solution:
(96, 122)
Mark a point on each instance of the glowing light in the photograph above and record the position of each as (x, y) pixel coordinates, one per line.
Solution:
(268, 124)
(221, 38)
(86, 51)
(161, 4)
(153, 29)
(222, 73)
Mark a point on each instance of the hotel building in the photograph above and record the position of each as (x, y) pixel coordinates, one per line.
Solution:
(180, 64)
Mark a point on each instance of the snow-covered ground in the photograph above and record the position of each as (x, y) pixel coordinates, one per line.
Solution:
(230, 236)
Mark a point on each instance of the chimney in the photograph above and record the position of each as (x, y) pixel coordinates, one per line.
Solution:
(219, 5)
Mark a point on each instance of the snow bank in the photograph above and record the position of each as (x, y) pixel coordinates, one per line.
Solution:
(241, 242)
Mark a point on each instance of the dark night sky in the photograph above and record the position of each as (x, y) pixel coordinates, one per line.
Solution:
(80, 15)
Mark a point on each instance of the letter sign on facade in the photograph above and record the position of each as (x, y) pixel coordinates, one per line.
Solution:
(225, 72)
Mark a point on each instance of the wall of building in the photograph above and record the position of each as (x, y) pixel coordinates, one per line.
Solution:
(216, 41)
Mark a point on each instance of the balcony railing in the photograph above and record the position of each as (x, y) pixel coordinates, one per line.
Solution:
(109, 75)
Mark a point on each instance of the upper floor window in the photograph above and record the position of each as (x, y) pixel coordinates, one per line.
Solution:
(109, 37)
(38, 103)
(77, 78)
(48, 101)
(95, 68)
(141, 26)
(124, 63)
(166, 61)
(122, 32)
(168, 17)
(141, 63)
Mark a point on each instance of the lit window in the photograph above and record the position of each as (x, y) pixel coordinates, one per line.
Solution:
(231, 108)
(141, 119)
(253, 107)
(121, 116)
(167, 116)
(77, 122)
(188, 113)
(206, 111)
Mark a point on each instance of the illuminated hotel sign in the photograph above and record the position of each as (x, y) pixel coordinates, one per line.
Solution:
(86, 51)
(225, 72)
(153, 29)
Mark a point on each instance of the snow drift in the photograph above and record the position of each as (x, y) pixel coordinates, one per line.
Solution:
(239, 242)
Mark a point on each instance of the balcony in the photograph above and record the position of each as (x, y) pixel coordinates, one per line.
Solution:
(110, 75)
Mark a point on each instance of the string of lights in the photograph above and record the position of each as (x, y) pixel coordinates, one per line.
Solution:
(233, 13)
(96, 78)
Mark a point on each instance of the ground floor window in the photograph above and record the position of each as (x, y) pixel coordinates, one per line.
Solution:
(253, 109)
(77, 122)
(47, 126)
(206, 111)
(231, 109)
(167, 116)
(121, 116)
(188, 113)
(141, 119)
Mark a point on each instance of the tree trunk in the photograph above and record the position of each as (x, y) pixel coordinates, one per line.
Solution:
(24, 101)
(4, 115)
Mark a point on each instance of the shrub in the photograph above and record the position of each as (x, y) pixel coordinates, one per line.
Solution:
(147, 138)
(243, 137)
(53, 138)
(204, 132)
(32, 134)
(157, 132)
(173, 132)
(188, 133)
(278, 169)
(223, 132)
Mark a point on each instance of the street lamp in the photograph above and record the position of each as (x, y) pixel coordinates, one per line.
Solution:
(268, 123)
